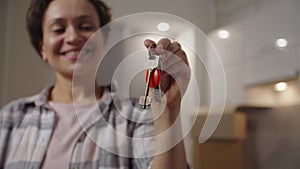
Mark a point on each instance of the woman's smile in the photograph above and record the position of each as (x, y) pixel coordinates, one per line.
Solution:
(67, 26)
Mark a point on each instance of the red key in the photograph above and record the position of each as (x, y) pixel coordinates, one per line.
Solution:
(155, 77)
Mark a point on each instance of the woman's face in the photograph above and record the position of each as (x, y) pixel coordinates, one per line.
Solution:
(67, 25)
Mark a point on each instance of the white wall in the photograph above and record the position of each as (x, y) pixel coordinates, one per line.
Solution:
(199, 12)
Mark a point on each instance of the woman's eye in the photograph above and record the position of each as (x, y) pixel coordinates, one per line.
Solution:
(87, 27)
(58, 30)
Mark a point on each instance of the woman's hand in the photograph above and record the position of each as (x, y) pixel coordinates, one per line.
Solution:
(175, 73)
(175, 77)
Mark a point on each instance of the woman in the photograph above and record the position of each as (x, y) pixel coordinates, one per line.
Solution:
(42, 131)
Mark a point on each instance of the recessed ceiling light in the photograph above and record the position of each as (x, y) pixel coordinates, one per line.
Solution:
(281, 86)
(223, 34)
(163, 26)
(282, 43)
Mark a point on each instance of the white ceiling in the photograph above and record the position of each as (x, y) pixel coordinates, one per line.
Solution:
(205, 14)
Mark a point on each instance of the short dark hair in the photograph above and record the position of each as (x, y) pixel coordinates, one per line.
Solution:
(37, 9)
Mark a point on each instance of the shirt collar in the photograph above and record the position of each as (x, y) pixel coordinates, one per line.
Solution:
(40, 99)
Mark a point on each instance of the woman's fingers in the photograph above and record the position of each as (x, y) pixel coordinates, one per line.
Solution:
(175, 68)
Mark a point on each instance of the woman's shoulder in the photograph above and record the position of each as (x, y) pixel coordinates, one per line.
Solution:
(13, 105)
(19, 104)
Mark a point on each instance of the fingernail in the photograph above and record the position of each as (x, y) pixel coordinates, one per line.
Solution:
(160, 47)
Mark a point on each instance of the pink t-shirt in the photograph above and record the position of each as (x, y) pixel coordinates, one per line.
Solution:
(66, 131)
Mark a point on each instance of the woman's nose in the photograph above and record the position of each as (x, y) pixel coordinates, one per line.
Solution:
(74, 37)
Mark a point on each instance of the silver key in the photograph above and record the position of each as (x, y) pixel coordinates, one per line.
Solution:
(152, 63)
(146, 99)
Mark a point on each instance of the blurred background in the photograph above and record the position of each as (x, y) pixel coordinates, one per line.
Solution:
(258, 42)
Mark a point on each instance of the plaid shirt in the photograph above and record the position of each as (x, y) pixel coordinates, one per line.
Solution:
(26, 126)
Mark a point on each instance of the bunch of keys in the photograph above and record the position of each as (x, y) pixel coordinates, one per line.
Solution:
(152, 78)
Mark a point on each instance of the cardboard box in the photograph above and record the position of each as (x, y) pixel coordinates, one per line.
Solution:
(218, 155)
(232, 126)
(223, 150)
